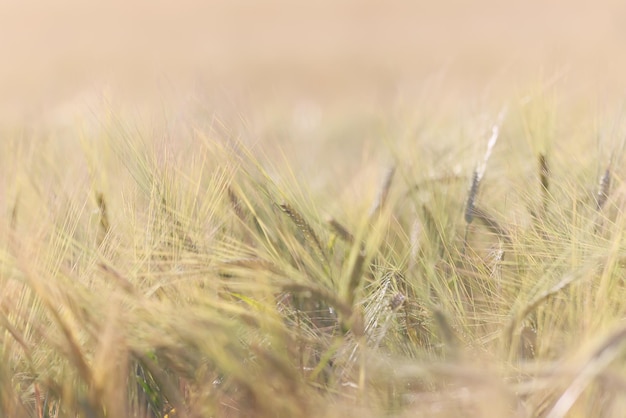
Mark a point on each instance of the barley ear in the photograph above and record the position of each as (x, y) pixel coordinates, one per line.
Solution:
(603, 189)
(471, 198)
(356, 274)
(544, 178)
(105, 225)
(383, 194)
(236, 204)
(492, 224)
(542, 297)
(15, 211)
(341, 231)
(309, 234)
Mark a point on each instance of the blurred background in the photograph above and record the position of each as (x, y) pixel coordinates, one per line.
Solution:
(57, 55)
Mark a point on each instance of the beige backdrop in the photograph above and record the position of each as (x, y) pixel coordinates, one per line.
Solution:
(54, 52)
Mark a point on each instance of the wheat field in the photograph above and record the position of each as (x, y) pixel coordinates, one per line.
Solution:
(232, 209)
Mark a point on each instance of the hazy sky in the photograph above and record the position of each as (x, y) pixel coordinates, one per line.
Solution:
(52, 51)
